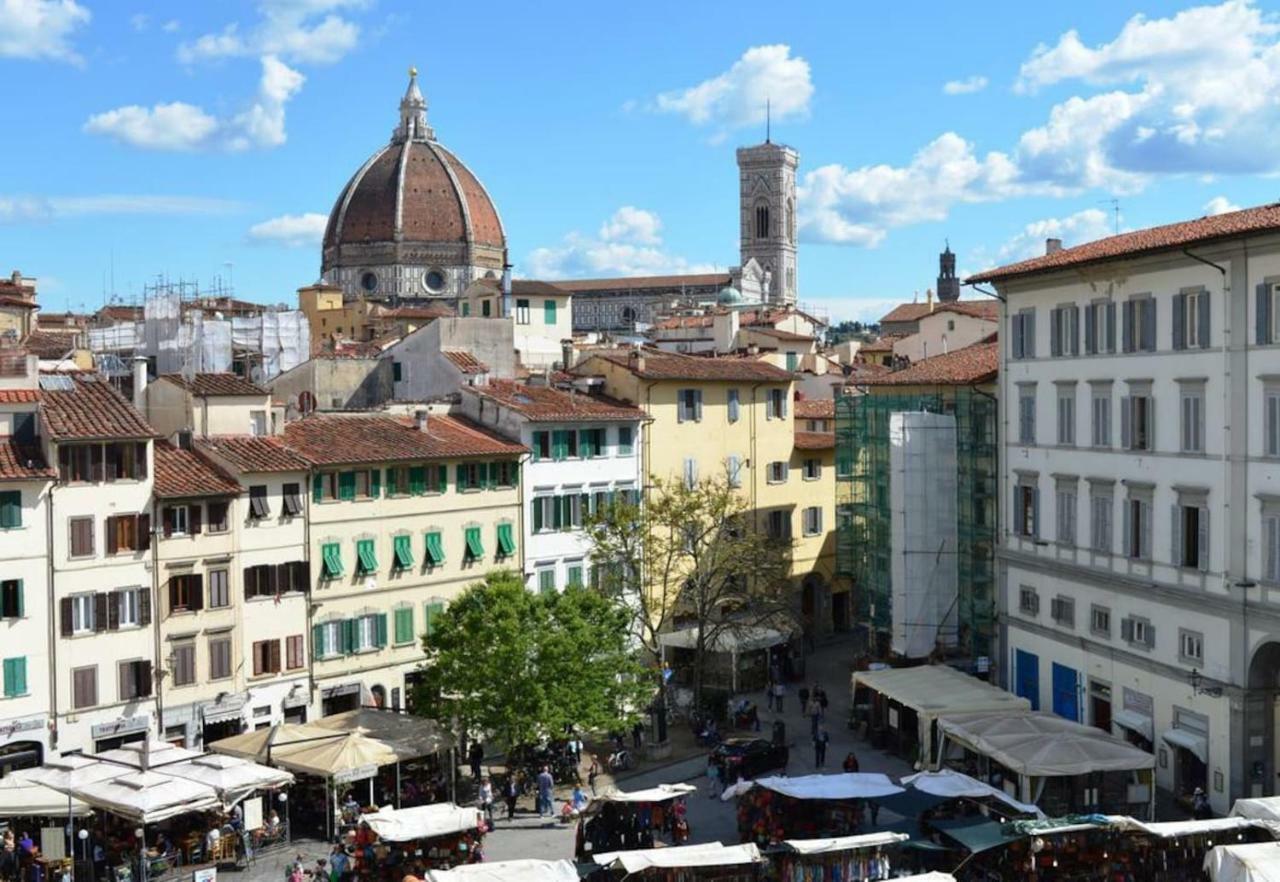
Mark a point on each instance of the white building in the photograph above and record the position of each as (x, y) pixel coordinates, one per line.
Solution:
(541, 316)
(585, 450)
(1140, 542)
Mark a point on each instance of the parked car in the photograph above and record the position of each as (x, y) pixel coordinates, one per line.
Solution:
(739, 758)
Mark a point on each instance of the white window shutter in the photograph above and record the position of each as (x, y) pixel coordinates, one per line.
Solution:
(1175, 545)
(1145, 514)
(697, 405)
(1203, 551)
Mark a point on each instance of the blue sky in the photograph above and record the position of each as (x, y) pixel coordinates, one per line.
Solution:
(202, 139)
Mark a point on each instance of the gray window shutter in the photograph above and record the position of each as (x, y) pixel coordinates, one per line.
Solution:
(1149, 326)
(1029, 331)
(1055, 332)
(1035, 512)
(680, 406)
(1126, 629)
(1151, 635)
(1175, 523)
(1203, 551)
(1130, 332)
(1017, 336)
(1151, 423)
(1145, 509)
(1074, 314)
(1090, 330)
(1262, 313)
(1179, 321)
(1204, 319)
(1111, 327)
(1126, 422)
(1126, 542)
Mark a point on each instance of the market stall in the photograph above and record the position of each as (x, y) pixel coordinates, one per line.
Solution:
(687, 863)
(951, 784)
(617, 820)
(1264, 808)
(870, 856)
(737, 656)
(1058, 764)
(900, 706)
(438, 837)
(508, 871)
(426, 754)
(1259, 862)
(807, 807)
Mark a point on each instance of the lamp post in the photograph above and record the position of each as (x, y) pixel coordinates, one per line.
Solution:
(283, 799)
(140, 835)
(84, 848)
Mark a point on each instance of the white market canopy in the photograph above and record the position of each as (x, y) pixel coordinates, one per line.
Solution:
(19, 797)
(146, 797)
(1265, 808)
(661, 793)
(528, 870)
(1174, 829)
(746, 638)
(1043, 745)
(147, 754)
(927, 877)
(1258, 862)
(844, 843)
(231, 777)
(956, 785)
(849, 785)
(422, 821)
(712, 854)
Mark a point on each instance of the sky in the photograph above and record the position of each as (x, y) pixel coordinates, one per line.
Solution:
(208, 141)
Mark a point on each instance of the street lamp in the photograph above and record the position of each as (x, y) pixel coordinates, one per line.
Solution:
(283, 799)
(84, 847)
(1195, 680)
(140, 835)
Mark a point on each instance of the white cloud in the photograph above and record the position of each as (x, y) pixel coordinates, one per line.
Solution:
(966, 86)
(139, 21)
(291, 230)
(1220, 205)
(181, 126)
(40, 29)
(171, 26)
(298, 31)
(737, 97)
(628, 244)
(33, 209)
(1075, 229)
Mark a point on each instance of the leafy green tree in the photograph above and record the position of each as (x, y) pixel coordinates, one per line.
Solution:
(518, 665)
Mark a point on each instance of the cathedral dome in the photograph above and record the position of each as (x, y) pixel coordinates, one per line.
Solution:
(413, 220)
(729, 296)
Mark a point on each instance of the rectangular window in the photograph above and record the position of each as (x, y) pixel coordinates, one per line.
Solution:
(218, 516)
(402, 552)
(1066, 510)
(1100, 327)
(506, 540)
(1191, 646)
(1193, 419)
(10, 509)
(266, 657)
(1137, 422)
(734, 405)
(547, 580)
(793, 361)
(1026, 510)
(733, 468)
(258, 506)
(486, 308)
(472, 543)
(430, 612)
(1140, 324)
(1138, 631)
(403, 623)
(690, 472)
(290, 500)
(1066, 415)
(15, 677)
(573, 574)
(12, 602)
(541, 445)
(1271, 545)
(1023, 333)
(1028, 601)
(1100, 508)
(128, 533)
(369, 632)
(1100, 621)
(1191, 319)
(549, 312)
(219, 657)
(1137, 528)
(592, 442)
(1191, 535)
(177, 521)
(1101, 405)
(1271, 421)
(186, 593)
(626, 440)
(812, 469)
(294, 655)
(777, 473)
(689, 406)
(775, 404)
(84, 687)
(434, 549)
(329, 639)
(813, 520)
(331, 558)
(522, 312)
(1064, 331)
(1027, 415)
(778, 525)
(468, 476)
(128, 613)
(81, 536)
(184, 663)
(366, 557)
(135, 680)
(1063, 611)
(260, 581)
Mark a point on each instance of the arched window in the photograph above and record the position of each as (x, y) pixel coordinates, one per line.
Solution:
(762, 222)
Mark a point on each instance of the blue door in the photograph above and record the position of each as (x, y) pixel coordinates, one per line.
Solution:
(1066, 695)
(1026, 668)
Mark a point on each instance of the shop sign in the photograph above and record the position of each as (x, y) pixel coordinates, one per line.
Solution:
(122, 726)
(359, 773)
(9, 729)
(208, 874)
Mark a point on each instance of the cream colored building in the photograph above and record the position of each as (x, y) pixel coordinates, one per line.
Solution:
(541, 315)
(405, 513)
(210, 404)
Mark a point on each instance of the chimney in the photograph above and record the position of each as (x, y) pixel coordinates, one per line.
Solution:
(753, 349)
(636, 360)
(420, 419)
(928, 294)
(566, 355)
(1052, 245)
(724, 330)
(140, 383)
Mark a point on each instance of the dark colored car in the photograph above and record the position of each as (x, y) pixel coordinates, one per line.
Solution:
(739, 758)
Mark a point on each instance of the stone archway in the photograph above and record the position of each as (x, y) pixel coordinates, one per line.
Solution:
(1262, 769)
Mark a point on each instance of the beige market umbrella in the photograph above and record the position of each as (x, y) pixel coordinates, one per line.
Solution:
(264, 745)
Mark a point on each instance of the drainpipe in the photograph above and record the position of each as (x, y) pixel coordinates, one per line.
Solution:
(52, 601)
(155, 612)
(309, 478)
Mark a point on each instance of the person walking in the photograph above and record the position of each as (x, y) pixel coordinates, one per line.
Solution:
(779, 692)
(593, 772)
(820, 739)
(851, 762)
(804, 699)
(815, 712)
(512, 793)
(476, 758)
(714, 787)
(821, 695)
(545, 785)
(486, 799)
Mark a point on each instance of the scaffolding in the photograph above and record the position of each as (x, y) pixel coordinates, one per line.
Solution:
(864, 537)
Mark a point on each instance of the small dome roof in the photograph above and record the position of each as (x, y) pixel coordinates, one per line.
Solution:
(729, 296)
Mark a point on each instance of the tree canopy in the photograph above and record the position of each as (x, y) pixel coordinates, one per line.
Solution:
(516, 665)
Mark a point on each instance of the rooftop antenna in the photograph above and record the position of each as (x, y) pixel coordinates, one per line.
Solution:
(768, 120)
(1115, 209)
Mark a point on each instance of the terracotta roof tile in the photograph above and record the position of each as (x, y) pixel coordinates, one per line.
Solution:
(254, 453)
(526, 287)
(85, 407)
(913, 312)
(19, 396)
(183, 473)
(331, 439)
(216, 385)
(22, 462)
(963, 367)
(884, 344)
(429, 311)
(545, 404)
(815, 440)
(18, 302)
(466, 362)
(816, 409)
(631, 283)
(748, 318)
(1261, 219)
(660, 365)
(47, 344)
(779, 334)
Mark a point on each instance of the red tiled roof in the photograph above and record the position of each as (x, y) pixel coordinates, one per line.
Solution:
(215, 385)
(254, 453)
(90, 409)
(780, 334)
(21, 462)
(120, 313)
(526, 287)
(331, 439)
(816, 409)
(748, 318)
(963, 367)
(466, 362)
(182, 473)
(47, 344)
(631, 283)
(428, 312)
(1261, 219)
(545, 404)
(660, 365)
(17, 302)
(913, 312)
(19, 396)
(815, 440)
(884, 344)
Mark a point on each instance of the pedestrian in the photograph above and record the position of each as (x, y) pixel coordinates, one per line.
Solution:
(637, 735)
(1200, 809)
(593, 772)
(476, 757)
(820, 740)
(804, 699)
(822, 702)
(545, 784)
(815, 712)
(779, 692)
(714, 787)
(851, 762)
(768, 695)
(512, 793)
(486, 798)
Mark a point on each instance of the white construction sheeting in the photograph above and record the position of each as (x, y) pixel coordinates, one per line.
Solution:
(1263, 808)
(712, 854)
(422, 821)
(1256, 862)
(924, 567)
(849, 785)
(508, 871)
(844, 843)
(1044, 745)
(956, 785)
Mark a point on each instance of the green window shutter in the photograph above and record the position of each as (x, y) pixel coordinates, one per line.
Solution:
(11, 509)
(404, 625)
(317, 488)
(380, 630)
(347, 485)
(536, 437)
(537, 515)
(575, 576)
(624, 441)
(9, 678)
(402, 546)
(430, 611)
(20, 676)
(506, 540)
(331, 556)
(549, 312)
(474, 545)
(418, 480)
(393, 481)
(366, 558)
(547, 581)
(443, 478)
(515, 474)
(460, 475)
(435, 549)
(375, 483)
(348, 636)
(557, 512)
(317, 641)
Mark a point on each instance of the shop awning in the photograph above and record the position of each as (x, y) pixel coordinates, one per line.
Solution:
(1039, 744)
(231, 777)
(955, 785)
(1135, 722)
(19, 797)
(225, 709)
(850, 785)
(661, 793)
(712, 854)
(508, 871)
(147, 754)
(977, 833)
(1196, 744)
(1258, 862)
(409, 736)
(844, 843)
(147, 797)
(744, 638)
(1265, 808)
(422, 821)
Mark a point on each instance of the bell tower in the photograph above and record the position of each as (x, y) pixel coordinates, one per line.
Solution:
(767, 203)
(948, 281)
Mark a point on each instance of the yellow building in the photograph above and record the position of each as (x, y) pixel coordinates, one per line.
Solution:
(824, 599)
(362, 318)
(405, 513)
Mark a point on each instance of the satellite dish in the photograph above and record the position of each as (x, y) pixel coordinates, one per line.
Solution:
(306, 402)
